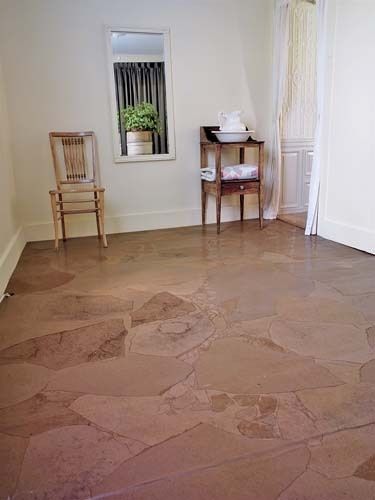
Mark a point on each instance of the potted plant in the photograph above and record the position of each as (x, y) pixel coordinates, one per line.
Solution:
(140, 122)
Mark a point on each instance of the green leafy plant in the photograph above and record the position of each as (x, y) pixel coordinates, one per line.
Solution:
(142, 117)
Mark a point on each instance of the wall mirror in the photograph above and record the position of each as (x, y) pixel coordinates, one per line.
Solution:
(140, 79)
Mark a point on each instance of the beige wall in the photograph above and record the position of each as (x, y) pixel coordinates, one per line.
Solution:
(10, 234)
(347, 201)
(56, 73)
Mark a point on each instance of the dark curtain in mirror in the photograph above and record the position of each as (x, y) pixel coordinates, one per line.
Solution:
(138, 82)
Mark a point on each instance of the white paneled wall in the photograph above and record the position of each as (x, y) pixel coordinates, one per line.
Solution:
(297, 159)
(299, 109)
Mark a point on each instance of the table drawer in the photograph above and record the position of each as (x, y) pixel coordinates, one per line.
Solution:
(238, 187)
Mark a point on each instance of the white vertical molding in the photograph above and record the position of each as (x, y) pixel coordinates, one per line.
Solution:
(10, 257)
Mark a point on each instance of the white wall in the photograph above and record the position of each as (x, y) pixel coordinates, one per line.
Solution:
(255, 29)
(55, 68)
(347, 201)
(11, 237)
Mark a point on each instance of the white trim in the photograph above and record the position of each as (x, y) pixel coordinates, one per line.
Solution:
(10, 257)
(357, 237)
(169, 93)
(293, 143)
(132, 159)
(284, 211)
(146, 221)
(137, 58)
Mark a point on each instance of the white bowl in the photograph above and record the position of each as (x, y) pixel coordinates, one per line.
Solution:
(231, 136)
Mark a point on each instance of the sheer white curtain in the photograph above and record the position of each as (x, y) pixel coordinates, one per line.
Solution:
(312, 214)
(279, 76)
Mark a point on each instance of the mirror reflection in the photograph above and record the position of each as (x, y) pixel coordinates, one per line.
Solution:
(140, 92)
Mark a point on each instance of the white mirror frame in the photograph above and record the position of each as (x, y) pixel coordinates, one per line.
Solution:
(171, 155)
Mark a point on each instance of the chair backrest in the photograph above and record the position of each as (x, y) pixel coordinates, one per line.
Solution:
(74, 157)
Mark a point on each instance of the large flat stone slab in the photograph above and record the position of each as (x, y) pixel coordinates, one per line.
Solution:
(21, 381)
(35, 274)
(148, 420)
(12, 450)
(172, 337)
(336, 342)
(342, 453)
(339, 407)
(201, 447)
(72, 347)
(42, 412)
(28, 316)
(360, 285)
(256, 289)
(367, 372)
(133, 375)
(148, 272)
(319, 309)
(366, 304)
(233, 365)
(263, 479)
(69, 461)
(162, 306)
(346, 371)
(313, 486)
(328, 269)
(73, 306)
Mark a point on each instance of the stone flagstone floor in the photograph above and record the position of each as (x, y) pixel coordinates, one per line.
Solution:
(182, 364)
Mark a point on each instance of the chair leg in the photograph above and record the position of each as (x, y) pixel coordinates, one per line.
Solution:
(97, 216)
(218, 212)
(101, 216)
(204, 202)
(55, 220)
(61, 205)
(242, 200)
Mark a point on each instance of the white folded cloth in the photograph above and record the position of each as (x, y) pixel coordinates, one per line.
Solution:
(208, 174)
(231, 172)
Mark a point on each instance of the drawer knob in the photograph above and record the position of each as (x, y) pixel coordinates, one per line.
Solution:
(242, 188)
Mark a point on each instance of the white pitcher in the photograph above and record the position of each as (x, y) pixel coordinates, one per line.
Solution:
(231, 121)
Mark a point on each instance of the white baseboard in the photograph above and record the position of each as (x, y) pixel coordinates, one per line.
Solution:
(10, 257)
(357, 237)
(86, 226)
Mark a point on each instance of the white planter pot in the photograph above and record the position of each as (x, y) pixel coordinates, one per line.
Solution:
(139, 143)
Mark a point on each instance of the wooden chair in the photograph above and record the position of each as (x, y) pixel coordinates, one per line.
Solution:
(76, 170)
